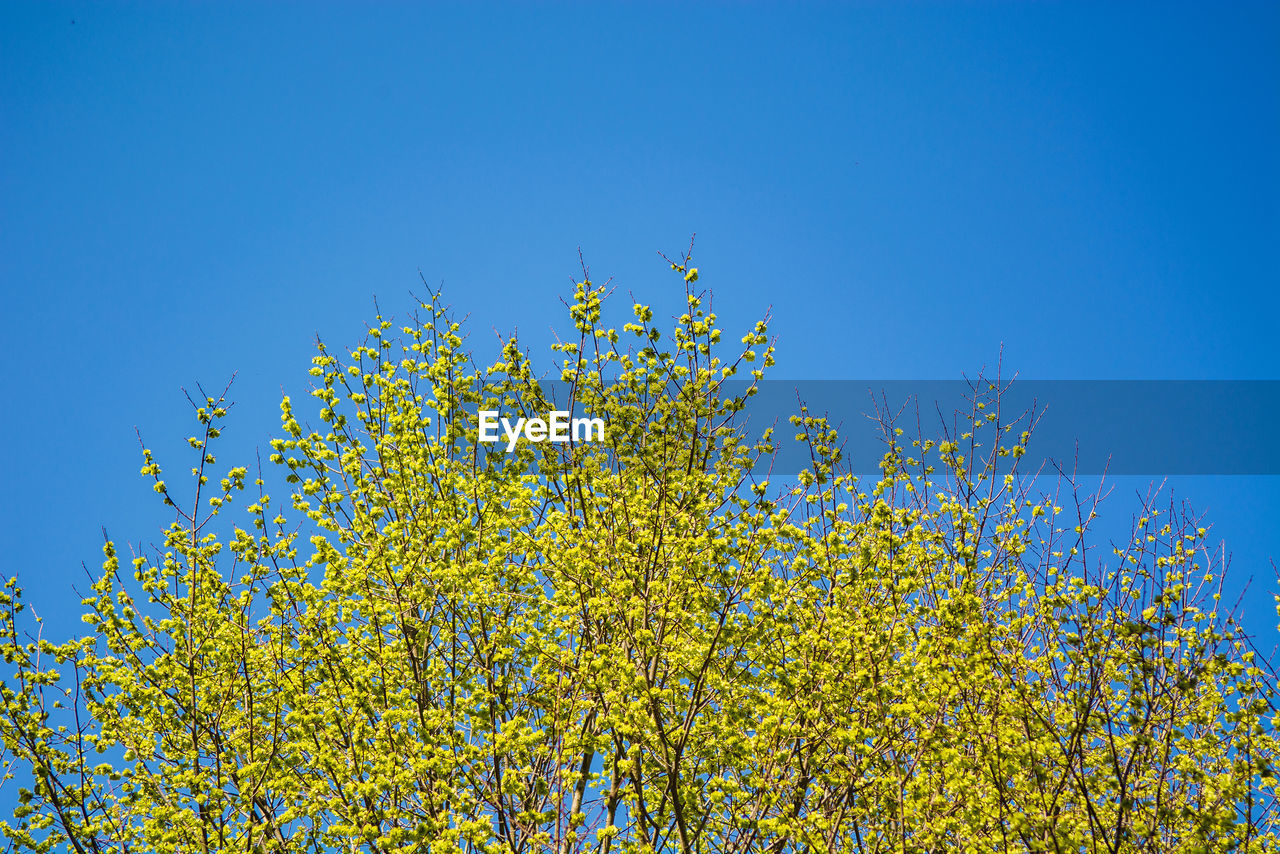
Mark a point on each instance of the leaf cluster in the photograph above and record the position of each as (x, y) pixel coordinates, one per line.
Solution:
(642, 644)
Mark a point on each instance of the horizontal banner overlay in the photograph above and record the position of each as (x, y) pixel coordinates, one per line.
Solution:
(1139, 427)
(1120, 427)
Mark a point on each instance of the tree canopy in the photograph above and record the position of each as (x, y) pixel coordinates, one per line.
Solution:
(419, 642)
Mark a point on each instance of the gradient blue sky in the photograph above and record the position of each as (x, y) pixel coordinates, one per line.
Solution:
(188, 190)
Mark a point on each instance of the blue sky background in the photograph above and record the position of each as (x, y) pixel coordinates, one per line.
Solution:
(190, 190)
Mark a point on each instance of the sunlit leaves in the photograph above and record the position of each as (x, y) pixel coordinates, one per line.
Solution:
(428, 644)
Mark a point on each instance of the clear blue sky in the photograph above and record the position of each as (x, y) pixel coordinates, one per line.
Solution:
(188, 190)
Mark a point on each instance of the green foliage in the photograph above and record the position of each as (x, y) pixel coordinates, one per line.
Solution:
(635, 645)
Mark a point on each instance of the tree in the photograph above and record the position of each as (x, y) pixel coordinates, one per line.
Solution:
(637, 644)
